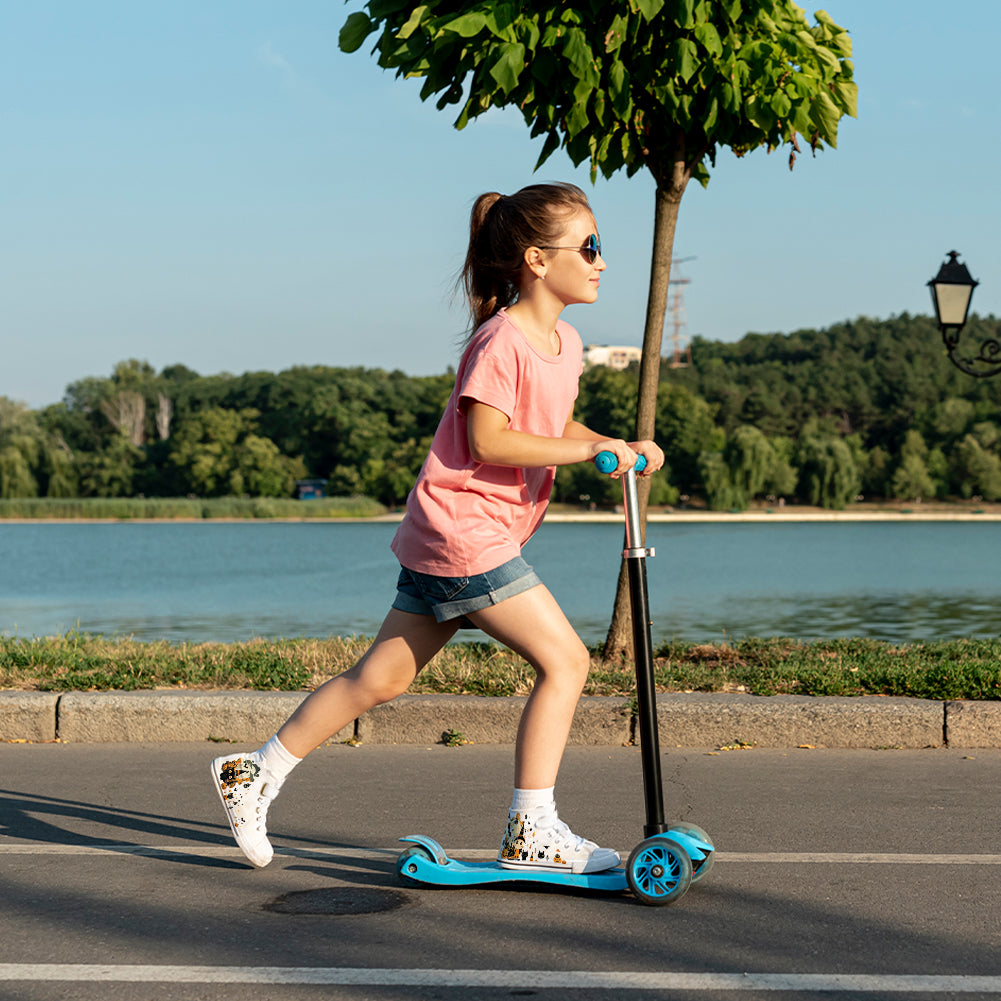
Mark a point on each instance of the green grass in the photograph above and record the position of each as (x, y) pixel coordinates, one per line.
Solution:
(961, 669)
(167, 508)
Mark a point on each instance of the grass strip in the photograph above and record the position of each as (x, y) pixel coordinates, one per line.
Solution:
(957, 669)
(186, 508)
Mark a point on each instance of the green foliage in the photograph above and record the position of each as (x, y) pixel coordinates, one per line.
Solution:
(720, 492)
(216, 452)
(957, 669)
(33, 460)
(685, 429)
(976, 471)
(749, 459)
(188, 508)
(912, 480)
(828, 475)
(626, 84)
(814, 416)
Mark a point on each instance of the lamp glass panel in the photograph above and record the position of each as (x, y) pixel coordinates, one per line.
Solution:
(953, 302)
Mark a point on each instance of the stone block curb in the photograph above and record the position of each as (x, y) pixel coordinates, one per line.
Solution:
(28, 715)
(709, 719)
(423, 719)
(973, 724)
(175, 716)
(685, 720)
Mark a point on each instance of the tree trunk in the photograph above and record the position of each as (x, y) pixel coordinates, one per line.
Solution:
(668, 199)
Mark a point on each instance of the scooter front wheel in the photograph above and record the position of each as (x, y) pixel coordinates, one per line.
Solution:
(659, 872)
(702, 867)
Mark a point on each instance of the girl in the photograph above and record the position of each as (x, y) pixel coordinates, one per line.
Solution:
(480, 496)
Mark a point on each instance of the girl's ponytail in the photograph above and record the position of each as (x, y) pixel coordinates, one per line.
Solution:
(501, 229)
(486, 292)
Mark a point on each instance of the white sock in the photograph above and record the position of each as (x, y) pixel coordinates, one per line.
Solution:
(539, 804)
(277, 760)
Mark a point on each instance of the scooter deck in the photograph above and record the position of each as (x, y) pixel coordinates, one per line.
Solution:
(440, 870)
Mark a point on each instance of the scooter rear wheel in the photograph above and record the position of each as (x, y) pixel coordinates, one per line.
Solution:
(659, 872)
(405, 866)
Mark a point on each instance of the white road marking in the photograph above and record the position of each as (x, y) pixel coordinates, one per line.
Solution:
(370, 854)
(525, 979)
(538, 979)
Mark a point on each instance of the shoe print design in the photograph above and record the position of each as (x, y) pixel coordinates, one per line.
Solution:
(246, 795)
(234, 774)
(556, 847)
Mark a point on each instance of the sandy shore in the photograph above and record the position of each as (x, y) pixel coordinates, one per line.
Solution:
(565, 513)
(966, 511)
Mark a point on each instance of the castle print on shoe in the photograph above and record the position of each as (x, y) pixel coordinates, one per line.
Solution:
(246, 793)
(526, 846)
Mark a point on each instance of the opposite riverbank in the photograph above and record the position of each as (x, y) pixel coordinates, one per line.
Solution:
(362, 509)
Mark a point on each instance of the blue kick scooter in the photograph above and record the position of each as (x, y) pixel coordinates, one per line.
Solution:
(671, 857)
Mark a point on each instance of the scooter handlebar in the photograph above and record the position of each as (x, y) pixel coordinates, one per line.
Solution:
(606, 462)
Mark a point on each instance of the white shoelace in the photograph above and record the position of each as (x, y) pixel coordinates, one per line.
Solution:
(570, 840)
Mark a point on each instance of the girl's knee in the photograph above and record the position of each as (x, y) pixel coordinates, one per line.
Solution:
(375, 685)
(582, 660)
(387, 690)
(582, 665)
(572, 667)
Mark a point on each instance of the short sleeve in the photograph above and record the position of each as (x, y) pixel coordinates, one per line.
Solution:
(492, 379)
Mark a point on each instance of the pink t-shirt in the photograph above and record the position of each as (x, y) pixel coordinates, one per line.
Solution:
(466, 517)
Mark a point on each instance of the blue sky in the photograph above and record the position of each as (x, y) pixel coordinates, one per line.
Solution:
(218, 185)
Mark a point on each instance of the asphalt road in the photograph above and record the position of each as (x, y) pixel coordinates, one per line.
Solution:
(839, 874)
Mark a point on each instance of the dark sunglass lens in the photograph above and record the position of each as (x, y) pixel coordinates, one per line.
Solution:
(593, 249)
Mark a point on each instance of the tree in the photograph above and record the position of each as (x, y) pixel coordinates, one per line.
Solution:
(750, 458)
(976, 471)
(686, 430)
(217, 453)
(828, 475)
(628, 84)
(20, 450)
(912, 479)
(782, 477)
(721, 495)
(110, 472)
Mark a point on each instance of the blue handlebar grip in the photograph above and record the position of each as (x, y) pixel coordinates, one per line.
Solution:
(607, 463)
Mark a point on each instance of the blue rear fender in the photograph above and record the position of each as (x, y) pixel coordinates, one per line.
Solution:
(432, 847)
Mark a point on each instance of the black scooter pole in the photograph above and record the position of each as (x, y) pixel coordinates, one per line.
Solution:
(635, 555)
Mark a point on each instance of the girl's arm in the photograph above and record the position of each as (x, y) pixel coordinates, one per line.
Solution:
(648, 449)
(493, 442)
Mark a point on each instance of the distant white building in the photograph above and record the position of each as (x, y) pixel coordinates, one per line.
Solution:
(611, 356)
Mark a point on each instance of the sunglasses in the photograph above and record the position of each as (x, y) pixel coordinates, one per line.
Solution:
(590, 251)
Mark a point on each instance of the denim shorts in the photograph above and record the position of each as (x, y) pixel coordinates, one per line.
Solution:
(449, 598)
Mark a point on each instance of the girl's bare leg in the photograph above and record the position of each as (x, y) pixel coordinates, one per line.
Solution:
(534, 626)
(404, 645)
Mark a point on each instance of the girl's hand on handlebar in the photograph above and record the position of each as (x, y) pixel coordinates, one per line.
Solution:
(624, 455)
(650, 451)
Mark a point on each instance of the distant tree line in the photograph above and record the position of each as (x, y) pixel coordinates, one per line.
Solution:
(868, 408)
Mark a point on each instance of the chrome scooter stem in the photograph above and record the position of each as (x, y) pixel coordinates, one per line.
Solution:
(634, 533)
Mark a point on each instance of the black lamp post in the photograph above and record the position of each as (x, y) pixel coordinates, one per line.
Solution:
(951, 292)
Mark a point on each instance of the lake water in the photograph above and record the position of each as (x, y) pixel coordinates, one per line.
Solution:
(900, 582)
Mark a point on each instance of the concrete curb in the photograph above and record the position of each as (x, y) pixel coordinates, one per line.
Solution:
(686, 720)
(175, 716)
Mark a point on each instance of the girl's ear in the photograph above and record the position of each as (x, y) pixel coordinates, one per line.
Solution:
(535, 261)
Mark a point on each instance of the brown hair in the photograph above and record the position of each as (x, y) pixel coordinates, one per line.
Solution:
(501, 229)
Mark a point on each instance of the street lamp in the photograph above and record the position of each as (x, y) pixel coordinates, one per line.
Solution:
(951, 292)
